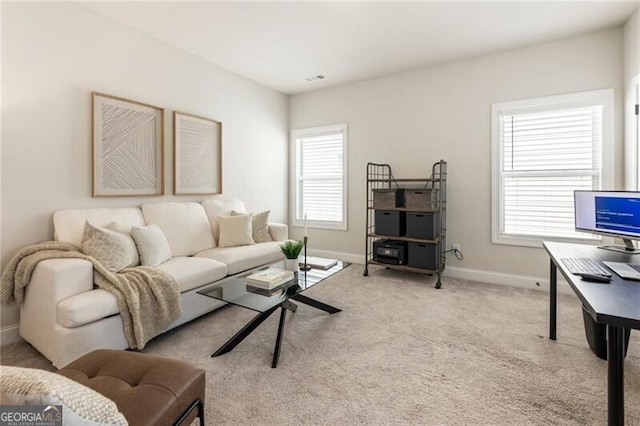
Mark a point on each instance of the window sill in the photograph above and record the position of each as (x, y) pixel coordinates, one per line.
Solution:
(521, 241)
(322, 225)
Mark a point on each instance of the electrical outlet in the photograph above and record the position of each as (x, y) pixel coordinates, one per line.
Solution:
(455, 247)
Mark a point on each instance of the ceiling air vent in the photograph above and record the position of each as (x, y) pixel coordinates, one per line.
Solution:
(315, 78)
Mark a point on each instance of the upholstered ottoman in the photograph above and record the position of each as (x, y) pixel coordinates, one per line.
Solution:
(148, 390)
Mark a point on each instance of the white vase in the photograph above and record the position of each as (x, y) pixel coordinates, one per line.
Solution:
(291, 265)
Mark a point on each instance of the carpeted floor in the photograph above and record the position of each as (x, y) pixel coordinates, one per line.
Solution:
(401, 352)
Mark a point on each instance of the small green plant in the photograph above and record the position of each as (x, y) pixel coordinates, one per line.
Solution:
(291, 248)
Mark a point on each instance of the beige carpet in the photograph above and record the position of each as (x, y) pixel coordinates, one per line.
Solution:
(401, 352)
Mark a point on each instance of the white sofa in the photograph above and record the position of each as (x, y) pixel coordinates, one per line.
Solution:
(63, 316)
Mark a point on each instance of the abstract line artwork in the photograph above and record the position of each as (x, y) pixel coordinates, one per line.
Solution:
(128, 141)
(197, 154)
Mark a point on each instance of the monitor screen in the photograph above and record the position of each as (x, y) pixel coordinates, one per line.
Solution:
(614, 213)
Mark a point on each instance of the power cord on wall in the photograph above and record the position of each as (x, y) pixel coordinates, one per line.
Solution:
(457, 253)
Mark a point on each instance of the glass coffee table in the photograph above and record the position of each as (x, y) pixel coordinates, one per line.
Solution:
(234, 290)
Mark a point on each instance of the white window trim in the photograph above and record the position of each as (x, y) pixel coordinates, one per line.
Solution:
(316, 224)
(631, 139)
(604, 97)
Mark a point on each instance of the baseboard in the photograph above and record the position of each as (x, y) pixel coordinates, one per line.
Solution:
(347, 257)
(512, 280)
(9, 334)
(468, 274)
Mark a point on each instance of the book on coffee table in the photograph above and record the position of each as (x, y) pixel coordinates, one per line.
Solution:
(268, 291)
(269, 278)
(319, 262)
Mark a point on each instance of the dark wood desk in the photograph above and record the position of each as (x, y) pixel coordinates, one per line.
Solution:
(615, 304)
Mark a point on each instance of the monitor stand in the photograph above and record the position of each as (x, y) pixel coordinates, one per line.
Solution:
(628, 247)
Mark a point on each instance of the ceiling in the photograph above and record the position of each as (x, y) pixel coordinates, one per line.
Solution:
(281, 44)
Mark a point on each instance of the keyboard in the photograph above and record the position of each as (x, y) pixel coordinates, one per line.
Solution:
(584, 265)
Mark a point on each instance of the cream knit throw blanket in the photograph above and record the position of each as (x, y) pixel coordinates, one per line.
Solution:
(148, 298)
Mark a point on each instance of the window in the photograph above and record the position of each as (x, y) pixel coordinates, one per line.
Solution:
(543, 150)
(319, 176)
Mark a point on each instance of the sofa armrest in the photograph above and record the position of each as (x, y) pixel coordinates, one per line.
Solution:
(58, 279)
(278, 231)
(52, 281)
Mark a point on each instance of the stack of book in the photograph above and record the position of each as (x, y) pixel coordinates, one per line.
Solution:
(319, 262)
(269, 281)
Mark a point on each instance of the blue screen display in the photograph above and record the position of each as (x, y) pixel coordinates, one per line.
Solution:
(618, 214)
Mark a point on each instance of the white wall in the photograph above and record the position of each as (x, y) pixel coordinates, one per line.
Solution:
(413, 119)
(54, 55)
(631, 43)
(1, 104)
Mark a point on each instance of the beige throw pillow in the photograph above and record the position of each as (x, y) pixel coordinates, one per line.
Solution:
(126, 231)
(112, 249)
(235, 230)
(218, 206)
(152, 245)
(80, 404)
(259, 226)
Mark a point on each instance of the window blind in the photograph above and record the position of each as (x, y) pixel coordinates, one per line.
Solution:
(319, 176)
(545, 157)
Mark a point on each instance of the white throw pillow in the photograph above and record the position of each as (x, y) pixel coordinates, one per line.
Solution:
(235, 230)
(153, 246)
(80, 404)
(112, 249)
(259, 226)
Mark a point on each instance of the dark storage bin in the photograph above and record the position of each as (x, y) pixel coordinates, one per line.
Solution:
(388, 198)
(391, 223)
(421, 198)
(597, 335)
(423, 225)
(424, 255)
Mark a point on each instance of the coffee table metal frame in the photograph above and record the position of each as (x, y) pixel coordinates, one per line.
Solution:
(267, 305)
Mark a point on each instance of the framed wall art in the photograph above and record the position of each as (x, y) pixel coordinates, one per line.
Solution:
(128, 147)
(197, 154)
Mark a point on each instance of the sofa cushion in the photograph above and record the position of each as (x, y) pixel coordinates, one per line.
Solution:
(115, 250)
(86, 307)
(80, 404)
(219, 206)
(259, 226)
(192, 272)
(241, 258)
(235, 230)
(184, 224)
(152, 245)
(68, 224)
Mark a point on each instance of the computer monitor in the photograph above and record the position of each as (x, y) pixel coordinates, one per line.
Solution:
(611, 213)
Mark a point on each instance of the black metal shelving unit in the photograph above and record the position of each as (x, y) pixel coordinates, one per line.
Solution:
(380, 176)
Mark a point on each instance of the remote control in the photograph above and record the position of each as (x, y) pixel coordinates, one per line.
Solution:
(595, 278)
